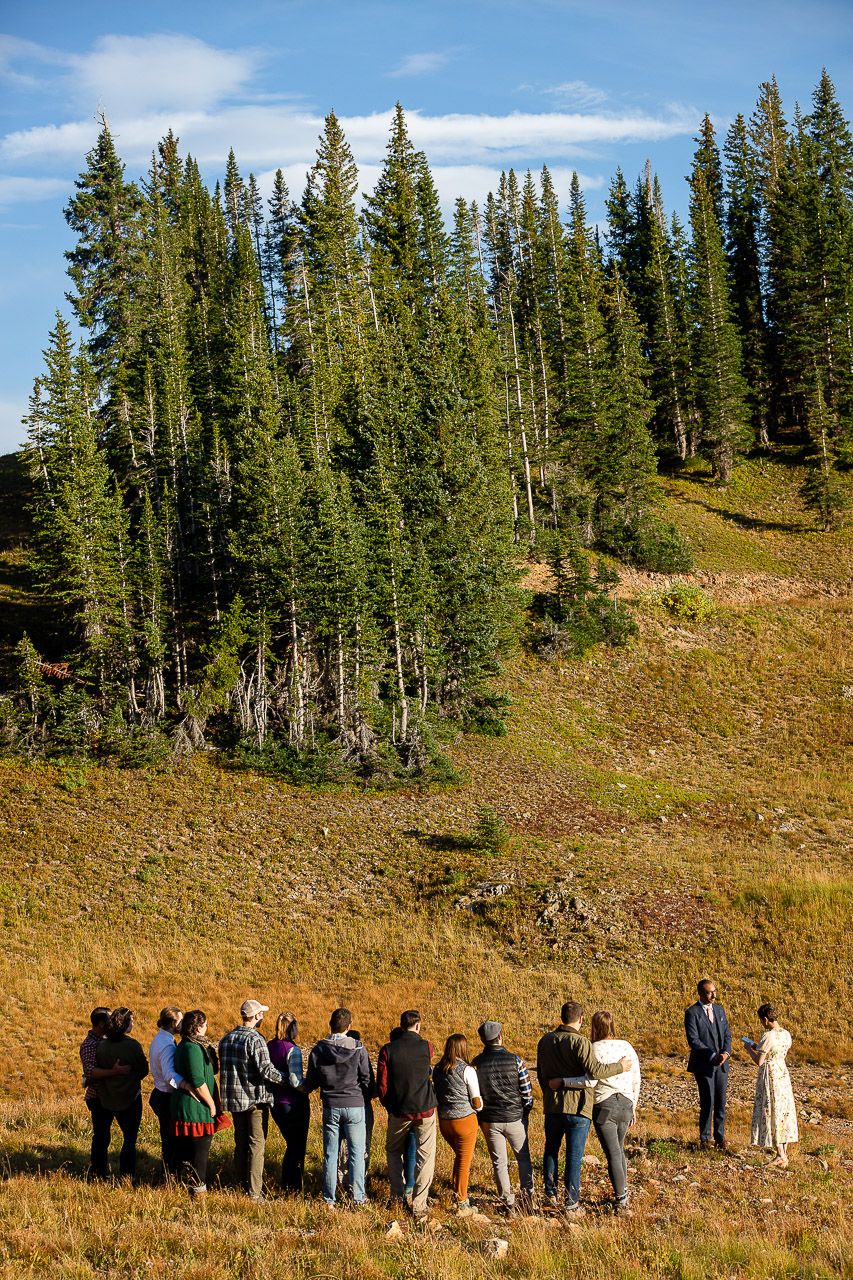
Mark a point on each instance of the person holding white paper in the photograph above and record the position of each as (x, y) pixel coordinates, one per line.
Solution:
(774, 1114)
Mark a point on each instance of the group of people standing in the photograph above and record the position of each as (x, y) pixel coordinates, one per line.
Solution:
(201, 1087)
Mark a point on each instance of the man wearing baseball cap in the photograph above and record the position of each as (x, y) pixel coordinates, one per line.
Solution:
(507, 1100)
(245, 1074)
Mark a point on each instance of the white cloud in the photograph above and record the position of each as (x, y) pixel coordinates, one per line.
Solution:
(264, 136)
(12, 431)
(577, 93)
(16, 190)
(421, 64)
(133, 74)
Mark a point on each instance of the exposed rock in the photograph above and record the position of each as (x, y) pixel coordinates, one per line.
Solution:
(393, 1231)
(594, 1160)
(496, 1248)
(482, 894)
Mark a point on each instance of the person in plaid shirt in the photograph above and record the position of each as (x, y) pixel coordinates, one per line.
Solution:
(245, 1073)
(102, 1121)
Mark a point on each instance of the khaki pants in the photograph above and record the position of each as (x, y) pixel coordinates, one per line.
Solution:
(399, 1127)
(250, 1140)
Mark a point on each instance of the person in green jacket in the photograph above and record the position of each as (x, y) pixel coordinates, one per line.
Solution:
(194, 1113)
(121, 1096)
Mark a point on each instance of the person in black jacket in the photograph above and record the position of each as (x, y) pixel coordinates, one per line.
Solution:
(340, 1068)
(707, 1029)
(507, 1102)
(404, 1081)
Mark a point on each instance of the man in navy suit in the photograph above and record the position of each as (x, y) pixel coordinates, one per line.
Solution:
(710, 1040)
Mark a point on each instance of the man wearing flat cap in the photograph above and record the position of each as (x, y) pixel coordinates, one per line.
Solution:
(245, 1075)
(507, 1101)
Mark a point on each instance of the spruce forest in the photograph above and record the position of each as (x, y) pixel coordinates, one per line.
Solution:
(287, 481)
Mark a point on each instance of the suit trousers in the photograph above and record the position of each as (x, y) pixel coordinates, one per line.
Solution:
(712, 1104)
(399, 1128)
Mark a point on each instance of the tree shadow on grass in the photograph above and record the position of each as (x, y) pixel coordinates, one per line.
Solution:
(450, 843)
(753, 523)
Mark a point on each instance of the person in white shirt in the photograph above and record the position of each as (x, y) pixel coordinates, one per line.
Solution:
(614, 1103)
(161, 1058)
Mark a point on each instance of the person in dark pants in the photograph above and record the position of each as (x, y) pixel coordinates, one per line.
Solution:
(161, 1057)
(194, 1110)
(99, 1168)
(614, 1102)
(121, 1096)
(707, 1029)
(564, 1052)
(290, 1107)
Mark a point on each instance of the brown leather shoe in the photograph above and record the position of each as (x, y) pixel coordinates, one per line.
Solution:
(705, 1146)
(722, 1145)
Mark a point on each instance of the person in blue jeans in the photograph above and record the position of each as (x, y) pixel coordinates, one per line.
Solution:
(339, 1067)
(561, 1054)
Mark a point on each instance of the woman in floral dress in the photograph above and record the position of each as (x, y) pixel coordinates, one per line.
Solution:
(774, 1115)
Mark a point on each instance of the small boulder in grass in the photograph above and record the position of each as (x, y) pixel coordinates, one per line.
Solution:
(495, 1248)
(590, 1160)
(394, 1231)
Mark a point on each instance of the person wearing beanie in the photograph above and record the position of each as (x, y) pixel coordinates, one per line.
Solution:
(507, 1096)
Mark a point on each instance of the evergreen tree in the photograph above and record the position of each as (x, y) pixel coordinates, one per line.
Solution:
(81, 530)
(822, 491)
(721, 390)
(105, 264)
(669, 337)
(744, 258)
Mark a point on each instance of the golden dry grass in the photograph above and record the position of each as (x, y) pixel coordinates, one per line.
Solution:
(695, 787)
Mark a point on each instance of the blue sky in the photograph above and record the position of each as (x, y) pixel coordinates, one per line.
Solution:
(487, 84)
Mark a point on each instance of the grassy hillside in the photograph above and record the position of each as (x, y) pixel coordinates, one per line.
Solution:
(680, 807)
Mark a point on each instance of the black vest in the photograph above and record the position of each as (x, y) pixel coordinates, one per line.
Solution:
(410, 1090)
(497, 1071)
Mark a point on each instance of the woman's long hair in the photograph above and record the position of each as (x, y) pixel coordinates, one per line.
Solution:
(193, 1021)
(118, 1023)
(286, 1027)
(455, 1050)
(603, 1026)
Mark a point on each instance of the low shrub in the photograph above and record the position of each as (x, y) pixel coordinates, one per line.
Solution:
(683, 600)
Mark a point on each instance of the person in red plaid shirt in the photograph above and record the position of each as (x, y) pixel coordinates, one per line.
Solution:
(92, 1073)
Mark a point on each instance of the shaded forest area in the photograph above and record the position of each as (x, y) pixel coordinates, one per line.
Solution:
(284, 487)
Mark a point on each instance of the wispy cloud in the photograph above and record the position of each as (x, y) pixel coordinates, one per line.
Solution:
(18, 190)
(264, 135)
(577, 93)
(133, 74)
(423, 64)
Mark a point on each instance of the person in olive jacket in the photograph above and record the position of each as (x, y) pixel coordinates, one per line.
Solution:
(560, 1054)
(121, 1096)
(194, 1113)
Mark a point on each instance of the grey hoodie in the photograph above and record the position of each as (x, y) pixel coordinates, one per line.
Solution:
(340, 1068)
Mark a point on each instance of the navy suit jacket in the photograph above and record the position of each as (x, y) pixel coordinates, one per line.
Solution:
(706, 1039)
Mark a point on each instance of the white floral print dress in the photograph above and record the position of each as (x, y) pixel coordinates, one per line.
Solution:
(774, 1115)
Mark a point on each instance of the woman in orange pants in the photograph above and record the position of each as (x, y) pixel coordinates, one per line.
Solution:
(458, 1092)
